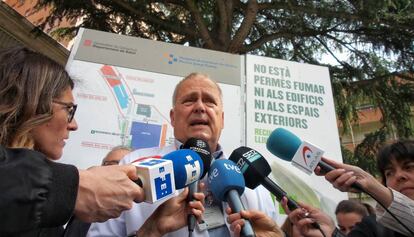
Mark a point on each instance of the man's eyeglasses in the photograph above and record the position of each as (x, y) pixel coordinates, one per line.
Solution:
(70, 107)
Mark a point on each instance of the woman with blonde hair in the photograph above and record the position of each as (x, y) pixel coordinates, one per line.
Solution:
(37, 102)
(38, 196)
(36, 112)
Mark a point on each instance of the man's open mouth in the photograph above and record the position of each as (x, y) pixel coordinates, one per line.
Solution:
(199, 122)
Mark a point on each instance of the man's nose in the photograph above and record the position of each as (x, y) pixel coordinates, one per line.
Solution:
(199, 106)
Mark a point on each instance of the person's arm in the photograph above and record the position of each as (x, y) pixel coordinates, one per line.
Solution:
(97, 188)
(343, 176)
(35, 192)
(403, 208)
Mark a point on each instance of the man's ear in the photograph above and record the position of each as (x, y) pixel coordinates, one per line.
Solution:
(172, 117)
(222, 120)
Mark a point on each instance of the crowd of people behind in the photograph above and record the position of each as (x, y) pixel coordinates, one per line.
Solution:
(39, 195)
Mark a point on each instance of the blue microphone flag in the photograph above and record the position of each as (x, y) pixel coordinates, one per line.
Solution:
(188, 166)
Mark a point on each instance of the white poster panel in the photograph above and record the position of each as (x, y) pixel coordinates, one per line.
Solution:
(130, 105)
(296, 97)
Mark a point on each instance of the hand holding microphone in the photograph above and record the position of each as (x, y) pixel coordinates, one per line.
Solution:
(263, 225)
(227, 184)
(97, 187)
(287, 146)
(203, 150)
(305, 156)
(304, 219)
(255, 170)
(344, 178)
(172, 214)
(161, 177)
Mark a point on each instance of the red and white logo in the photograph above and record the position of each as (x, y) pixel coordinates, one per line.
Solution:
(306, 154)
(87, 42)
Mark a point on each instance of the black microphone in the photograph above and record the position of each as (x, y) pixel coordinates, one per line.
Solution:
(203, 150)
(255, 170)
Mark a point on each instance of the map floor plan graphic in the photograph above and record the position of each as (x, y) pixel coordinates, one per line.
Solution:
(118, 106)
(133, 120)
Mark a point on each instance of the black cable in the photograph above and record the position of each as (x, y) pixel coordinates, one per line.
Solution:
(190, 234)
(386, 209)
(317, 226)
(359, 187)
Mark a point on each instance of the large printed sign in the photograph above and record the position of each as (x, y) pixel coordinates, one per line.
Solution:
(124, 87)
(297, 97)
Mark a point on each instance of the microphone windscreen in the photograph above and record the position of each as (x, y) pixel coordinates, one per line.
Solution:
(224, 175)
(187, 166)
(283, 144)
(252, 164)
(203, 150)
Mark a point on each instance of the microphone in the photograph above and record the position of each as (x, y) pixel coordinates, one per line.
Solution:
(289, 147)
(187, 165)
(203, 150)
(156, 177)
(161, 177)
(256, 170)
(227, 184)
(305, 156)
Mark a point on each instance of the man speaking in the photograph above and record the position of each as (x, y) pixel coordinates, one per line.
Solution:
(197, 112)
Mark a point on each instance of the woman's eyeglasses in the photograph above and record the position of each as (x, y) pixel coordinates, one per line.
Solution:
(70, 107)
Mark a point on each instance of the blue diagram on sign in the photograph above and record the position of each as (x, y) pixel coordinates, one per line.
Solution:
(145, 135)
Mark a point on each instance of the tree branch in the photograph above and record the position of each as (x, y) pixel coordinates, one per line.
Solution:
(180, 29)
(281, 34)
(394, 75)
(223, 19)
(244, 29)
(204, 33)
(308, 9)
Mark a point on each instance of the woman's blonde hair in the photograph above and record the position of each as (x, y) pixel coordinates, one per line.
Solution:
(29, 81)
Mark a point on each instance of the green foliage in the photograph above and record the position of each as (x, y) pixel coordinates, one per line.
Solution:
(370, 41)
(365, 153)
(347, 156)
